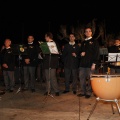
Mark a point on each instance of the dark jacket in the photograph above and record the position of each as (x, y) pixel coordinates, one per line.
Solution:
(114, 49)
(51, 60)
(32, 51)
(71, 62)
(7, 57)
(91, 49)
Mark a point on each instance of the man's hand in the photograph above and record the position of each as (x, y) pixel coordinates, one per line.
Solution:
(27, 61)
(5, 65)
(83, 54)
(93, 67)
(74, 54)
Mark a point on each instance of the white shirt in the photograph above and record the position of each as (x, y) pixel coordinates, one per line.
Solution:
(71, 43)
(30, 43)
(88, 38)
(7, 47)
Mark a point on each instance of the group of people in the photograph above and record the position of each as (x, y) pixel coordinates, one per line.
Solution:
(79, 62)
(27, 58)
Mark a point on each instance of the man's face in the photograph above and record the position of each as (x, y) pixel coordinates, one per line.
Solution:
(88, 32)
(7, 43)
(46, 38)
(72, 38)
(117, 42)
(30, 39)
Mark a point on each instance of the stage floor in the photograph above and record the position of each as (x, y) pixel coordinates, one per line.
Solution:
(32, 106)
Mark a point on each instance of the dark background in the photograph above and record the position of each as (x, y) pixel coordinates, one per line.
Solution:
(20, 18)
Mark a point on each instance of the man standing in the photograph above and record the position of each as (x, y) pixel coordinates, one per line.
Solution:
(30, 61)
(88, 60)
(70, 57)
(50, 64)
(8, 65)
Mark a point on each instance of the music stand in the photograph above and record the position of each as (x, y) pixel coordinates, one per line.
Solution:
(49, 48)
(113, 57)
(103, 53)
(19, 50)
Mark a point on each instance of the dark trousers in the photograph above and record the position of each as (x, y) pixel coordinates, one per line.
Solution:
(9, 79)
(113, 71)
(18, 74)
(68, 74)
(40, 72)
(29, 77)
(85, 83)
(51, 80)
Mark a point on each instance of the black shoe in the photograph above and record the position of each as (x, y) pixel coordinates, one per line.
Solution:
(10, 90)
(81, 95)
(65, 91)
(7, 90)
(32, 90)
(74, 92)
(57, 94)
(87, 96)
(46, 93)
(24, 89)
(2, 92)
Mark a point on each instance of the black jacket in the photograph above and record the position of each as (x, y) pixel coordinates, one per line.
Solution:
(32, 51)
(91, 49)
(51, 60)
(71, 62)
(114, 49)
(7, 57)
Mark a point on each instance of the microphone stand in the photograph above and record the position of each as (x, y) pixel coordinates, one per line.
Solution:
(20, 74)
(19, 65)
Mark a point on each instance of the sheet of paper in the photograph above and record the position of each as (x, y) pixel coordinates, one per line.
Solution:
(114, 57)
(53, 48)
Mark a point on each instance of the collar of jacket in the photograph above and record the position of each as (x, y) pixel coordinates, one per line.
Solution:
(88, 38)
(72, 43)
(8, 47)
(30, 43)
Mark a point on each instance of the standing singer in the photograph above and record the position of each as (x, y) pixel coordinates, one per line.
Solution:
(88, 60)
(50, 64)
(70, 59)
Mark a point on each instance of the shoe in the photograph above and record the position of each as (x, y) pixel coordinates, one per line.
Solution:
(87, 96)
(46, 93)
(74, 92)
(2, 92)
(10, 90)
(32, 90)
(7, 90)
(24, 89)
(81, 95)
(57, 94)
(65, 91)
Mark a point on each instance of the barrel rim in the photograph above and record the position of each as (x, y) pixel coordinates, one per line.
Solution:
(105, 75)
